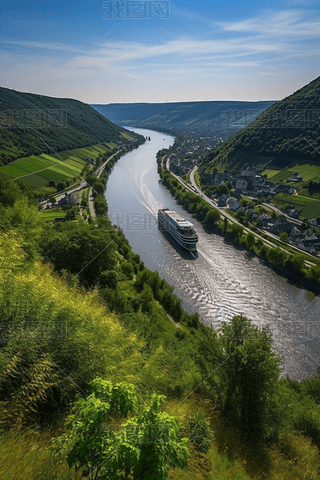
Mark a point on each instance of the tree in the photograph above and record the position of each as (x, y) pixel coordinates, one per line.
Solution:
(250, 240)
(284, 236)
(157, 438)
(143, 448)
(237, 230)
(242, 370)
(298, 262)
(109, 279)
(82, 249)
(146, 299)
(225, 225)
(212, 217)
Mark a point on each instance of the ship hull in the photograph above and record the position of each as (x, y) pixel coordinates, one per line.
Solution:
(185, 242)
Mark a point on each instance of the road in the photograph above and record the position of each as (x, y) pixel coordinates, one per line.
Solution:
(245, 229)
(277, 210)
(98, 173)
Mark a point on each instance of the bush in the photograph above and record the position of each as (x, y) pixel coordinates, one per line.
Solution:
(200, 432)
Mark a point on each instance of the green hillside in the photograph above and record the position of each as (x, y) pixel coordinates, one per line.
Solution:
(285, 134)
(206, 118)
(33, 124)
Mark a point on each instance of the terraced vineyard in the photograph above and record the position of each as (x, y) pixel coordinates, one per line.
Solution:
(37, 171)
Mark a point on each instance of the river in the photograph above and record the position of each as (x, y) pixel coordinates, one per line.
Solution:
(222, 281)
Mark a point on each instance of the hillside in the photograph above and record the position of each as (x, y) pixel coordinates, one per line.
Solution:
(285, 134)
(185, 117)
(34, 124)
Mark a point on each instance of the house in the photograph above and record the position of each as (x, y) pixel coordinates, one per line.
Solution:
(293, 213)
(310, 245)
(250, 186)
(284, 188)
(242, 183)
(208, 179)
(314, 222)
(295, 177)
(68, 199)
(249, 172)
(232, 204)
(281, 225)
(222, 200)
(265, 220)
(295, 235)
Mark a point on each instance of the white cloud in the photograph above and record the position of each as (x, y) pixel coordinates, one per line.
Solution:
(277, 24)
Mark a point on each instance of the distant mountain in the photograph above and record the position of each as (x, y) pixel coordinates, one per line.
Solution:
(287, 133)
(32, 124)
(205, 118)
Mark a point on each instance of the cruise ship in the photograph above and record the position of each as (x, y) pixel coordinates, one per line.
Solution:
(179, 228)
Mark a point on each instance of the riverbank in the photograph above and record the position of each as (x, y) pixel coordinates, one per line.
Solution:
(294, 266)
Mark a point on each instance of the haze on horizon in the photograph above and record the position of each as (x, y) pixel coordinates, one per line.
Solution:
(181, 51)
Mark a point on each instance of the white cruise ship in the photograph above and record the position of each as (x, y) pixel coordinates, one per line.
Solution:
(179, 228)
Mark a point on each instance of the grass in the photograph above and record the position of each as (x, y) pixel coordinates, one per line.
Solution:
(27, 456)
(311, 210)
(36, 181)
(13, 171)
(126, 135)
(52, 213)
(307, 171)
(270, 173)
(284, 175)
(308, 207)
(57, 166)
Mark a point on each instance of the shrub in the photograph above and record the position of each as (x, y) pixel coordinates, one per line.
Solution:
(200, 432)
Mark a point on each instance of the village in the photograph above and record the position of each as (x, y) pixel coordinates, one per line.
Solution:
(250, 184)
(286, 225)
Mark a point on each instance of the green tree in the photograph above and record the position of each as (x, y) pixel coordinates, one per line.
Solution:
(84, 250)
(146, 299)
(298, 262)
(212, 217)
(237, 230)
(250, 240)
(109, 279)
(284, 236)
(243, 370)
(144, 448)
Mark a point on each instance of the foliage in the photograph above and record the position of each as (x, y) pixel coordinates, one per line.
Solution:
(242, 371)
(200, 431)
(83, 126)
(142, 448)
(82, 249)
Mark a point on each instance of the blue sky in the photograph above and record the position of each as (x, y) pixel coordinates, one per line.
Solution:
(227, 50)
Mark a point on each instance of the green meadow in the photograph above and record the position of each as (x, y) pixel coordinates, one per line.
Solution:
(37, 171)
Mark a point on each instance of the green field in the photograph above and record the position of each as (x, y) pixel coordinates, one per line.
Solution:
(270, 173)
(307, 171)
(311, 210)
(36, 181)
(308, 207)
(13, 170)
(55, 212)
(38, 170)
(284, 175)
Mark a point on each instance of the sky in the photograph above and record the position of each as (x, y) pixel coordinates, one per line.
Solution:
(152, 51)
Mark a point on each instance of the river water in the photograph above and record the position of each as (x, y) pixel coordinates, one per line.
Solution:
(221, 281)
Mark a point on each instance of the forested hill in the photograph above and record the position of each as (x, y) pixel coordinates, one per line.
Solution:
(183, 117)
(287, 133)
(33, 124)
